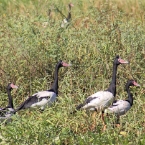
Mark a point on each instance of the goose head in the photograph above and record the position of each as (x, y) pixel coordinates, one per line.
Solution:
(63, 64)
(132, 83)
(118, 61)
(11, 86)
(70, 5)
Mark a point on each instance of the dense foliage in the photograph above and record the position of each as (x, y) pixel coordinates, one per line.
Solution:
(31, 43)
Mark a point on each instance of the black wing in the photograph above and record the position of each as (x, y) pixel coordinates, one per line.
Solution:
(89, 99)
(27, 103)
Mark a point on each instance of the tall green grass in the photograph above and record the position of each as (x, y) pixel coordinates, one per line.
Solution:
(97, 33)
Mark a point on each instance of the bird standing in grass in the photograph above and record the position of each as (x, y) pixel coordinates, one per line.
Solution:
(120, 107)
(8, 111)
(103, 99)
(43, 98)
(66, 21)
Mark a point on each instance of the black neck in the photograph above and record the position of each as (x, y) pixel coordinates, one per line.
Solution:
(69, 14)
(55, 83)
(112, 86)
(130, 96)
(10, 104)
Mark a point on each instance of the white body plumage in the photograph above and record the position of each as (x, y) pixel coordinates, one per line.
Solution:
(47, 98)
(100, 101)
(6, 118)
(119, 108)
(64, 23)
(6, 114)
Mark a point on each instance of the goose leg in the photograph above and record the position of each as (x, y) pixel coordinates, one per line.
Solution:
(94, 120)
(104, 125)
(118, 121)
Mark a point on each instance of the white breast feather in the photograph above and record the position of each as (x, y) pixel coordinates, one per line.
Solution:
(103, 100)
(64, 22)
(7, 115)
(6, 118)
(120, 107)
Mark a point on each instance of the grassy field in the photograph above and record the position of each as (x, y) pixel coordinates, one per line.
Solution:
(31, 43)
